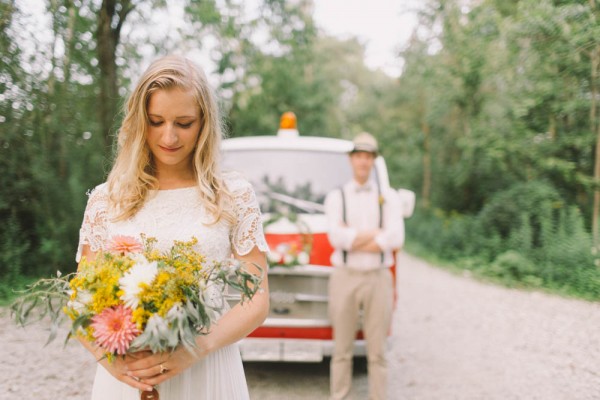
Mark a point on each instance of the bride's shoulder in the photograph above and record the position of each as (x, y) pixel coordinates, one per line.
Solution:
(99, 191)
(98, 194)
(236, 182)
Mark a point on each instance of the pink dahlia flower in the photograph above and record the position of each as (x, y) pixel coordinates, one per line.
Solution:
(124, 244)
(114, 330)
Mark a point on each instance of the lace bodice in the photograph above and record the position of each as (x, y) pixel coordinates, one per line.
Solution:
(178, 214)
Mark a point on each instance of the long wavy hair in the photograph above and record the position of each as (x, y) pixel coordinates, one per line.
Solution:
(133, 173)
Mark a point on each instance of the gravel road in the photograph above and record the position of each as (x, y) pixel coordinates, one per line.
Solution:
(452, 338)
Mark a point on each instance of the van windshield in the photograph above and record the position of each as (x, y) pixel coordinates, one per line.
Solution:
(296, 179)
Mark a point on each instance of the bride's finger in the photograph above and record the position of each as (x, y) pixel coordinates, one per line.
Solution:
(145, 362)
(159, 378)
(138, 355)
(136, 383)
(151, 372)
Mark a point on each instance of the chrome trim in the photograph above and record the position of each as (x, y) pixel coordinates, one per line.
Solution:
(280, 296)
(311, 298)
(302, 270)
(275, 348)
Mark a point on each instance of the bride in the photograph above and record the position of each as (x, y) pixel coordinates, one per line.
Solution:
(165, 183)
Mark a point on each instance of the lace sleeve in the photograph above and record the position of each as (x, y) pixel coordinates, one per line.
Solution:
(93, 229)
(247, 231)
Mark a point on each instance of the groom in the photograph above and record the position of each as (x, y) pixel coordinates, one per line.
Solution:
(365, 226)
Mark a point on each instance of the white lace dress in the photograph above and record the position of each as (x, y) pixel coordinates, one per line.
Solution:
(170, 215)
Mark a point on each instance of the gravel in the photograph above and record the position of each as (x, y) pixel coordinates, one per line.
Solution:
(452, 338)
(456, 338)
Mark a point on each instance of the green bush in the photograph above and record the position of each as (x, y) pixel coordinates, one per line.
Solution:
(504, 212)
(525, 236)
(512, 266)
(447, 235)
(14, 249)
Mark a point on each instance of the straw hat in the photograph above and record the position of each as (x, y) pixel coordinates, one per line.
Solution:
(365, 142)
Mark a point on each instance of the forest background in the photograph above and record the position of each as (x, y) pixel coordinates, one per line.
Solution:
(494, 121)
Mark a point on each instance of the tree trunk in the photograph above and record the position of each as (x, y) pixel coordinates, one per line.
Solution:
(107, 47)
(69, 41)
(595, 126)
(110, 22)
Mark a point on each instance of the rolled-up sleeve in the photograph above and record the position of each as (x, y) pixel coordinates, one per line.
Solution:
(392, 235)
(340, 236)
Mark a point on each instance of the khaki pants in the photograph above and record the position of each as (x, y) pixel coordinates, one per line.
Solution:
(349, 291)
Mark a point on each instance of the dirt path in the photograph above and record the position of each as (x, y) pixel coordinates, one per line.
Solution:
(453, 338)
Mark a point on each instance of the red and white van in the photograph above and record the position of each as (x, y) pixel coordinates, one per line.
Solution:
(291, 175)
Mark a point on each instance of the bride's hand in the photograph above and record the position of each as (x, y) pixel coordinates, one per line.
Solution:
(119, 368)
(157, 368)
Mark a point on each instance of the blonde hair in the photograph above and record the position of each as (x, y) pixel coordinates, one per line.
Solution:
(133, 174)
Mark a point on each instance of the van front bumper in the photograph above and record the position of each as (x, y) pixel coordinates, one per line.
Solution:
(291, 350)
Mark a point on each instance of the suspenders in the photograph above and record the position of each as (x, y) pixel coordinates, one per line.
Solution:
(344, 252)
(345, 219)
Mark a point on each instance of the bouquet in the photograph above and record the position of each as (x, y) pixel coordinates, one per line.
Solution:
(134, 297)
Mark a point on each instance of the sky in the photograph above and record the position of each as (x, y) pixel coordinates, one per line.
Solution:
(384, 26)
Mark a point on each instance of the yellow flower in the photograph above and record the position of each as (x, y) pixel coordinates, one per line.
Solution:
(140, 317)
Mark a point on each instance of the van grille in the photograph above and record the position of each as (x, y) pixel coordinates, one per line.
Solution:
(298, 293)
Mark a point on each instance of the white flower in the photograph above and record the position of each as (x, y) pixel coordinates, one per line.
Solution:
(274, 257)
(143, 272)
(282, 248)
(303, 257)
(288, 259)
(233, 265)
(81, 301)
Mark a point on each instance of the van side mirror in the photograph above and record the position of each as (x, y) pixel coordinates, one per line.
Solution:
(407, 201)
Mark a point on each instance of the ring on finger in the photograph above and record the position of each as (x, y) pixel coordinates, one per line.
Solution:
(163, 369)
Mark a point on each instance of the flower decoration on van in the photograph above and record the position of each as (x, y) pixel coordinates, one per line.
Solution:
(296, 248)
(289, 254)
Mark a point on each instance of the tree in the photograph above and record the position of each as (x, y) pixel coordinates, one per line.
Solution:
(111, 17)
(563, 38)
(264, 78)
(15, 182)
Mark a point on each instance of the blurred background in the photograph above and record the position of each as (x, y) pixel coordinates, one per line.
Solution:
(488, 109)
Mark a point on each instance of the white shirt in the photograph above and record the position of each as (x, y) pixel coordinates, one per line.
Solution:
(362, 213)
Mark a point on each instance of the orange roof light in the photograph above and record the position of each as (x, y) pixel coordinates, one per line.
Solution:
(287, 125)
(288, 121)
